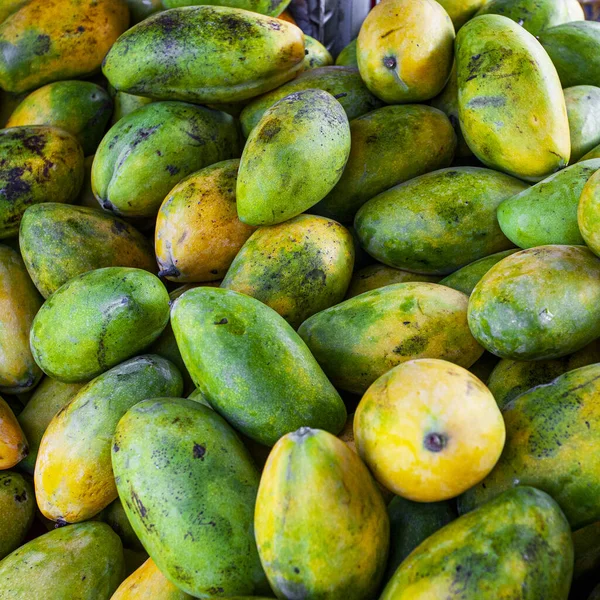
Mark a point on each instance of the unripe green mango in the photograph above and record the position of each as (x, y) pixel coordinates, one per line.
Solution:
(141, 9)
(594, 153)
(588, 211)
(583, 109)
(97, 320)
(115, 516)
(17, 509)
(208, 325)
(127, 103)
(194, 514)
(209, 39)
(461, 11)
(37, 164)
(272, 8)
(347, 57)
(538, 304)
(316, 54)
(377, 276)
(149, 151)
(510, 101)
(278, 176)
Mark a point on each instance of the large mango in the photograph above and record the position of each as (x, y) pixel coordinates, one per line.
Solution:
(17, 509)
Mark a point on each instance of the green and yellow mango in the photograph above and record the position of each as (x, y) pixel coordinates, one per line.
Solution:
(13, 443)
(347, 57)
(316, 54)
(377, 276)
(583, 110)
(272, 8)
(461, 11)
(17, 510)
(588, 211)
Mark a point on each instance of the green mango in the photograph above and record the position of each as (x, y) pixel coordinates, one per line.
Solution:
(583, 109)
(115, 516)
(546, 213)
(389, 146)
(575, 51)
(316, 54)
(594, 153)
(149, 151)
(516, 546)
(360, 339)
(588, 211)
(37, 164)
(461, 11)
(272, 8)
(278, 176)
(377, 276)
(125, 104)
(538, 304)
(438, 222)
(298, 268)
(60, 241)
(503, 75)
(209, 39)
(97, 320)
(586, 544)
(208, 323)
(83, 562)
(17, 509)
(141, 9)
(347, 57)
(194, 514)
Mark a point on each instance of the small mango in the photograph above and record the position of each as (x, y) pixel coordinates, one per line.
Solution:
(583, 110)
(17, 510)
(588, 211)
(316, 54)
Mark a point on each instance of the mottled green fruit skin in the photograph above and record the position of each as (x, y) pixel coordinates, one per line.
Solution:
(208, 325)
(538, 304)
(552, 443)
(347, 57)
(195, 448)
(38, 164)
(141, 9)
(61, 241)
(316, 54)
(17, 509)
(583, 110)
(115, 516)
(149, 61)
(389, 146)
(80, 107)
(360, 339)
(97, 320)
(438, 222)
(343, 83)
(546, 213)
(505, 549)
(149, 151)
(278, 176)
(377, 276)
(83, 561)
(272, 8)
(575, 51)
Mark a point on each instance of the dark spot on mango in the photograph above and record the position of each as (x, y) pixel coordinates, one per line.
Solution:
(389, 62)
(138, 505)
(116, 447)
(223, 321)
(435, 442)
(199, 451)
(60, 522)
(42, 45)
(270, 130)
(21, 497)
(173, 170)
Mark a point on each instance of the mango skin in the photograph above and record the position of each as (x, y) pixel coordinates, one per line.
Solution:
(514, 119)
(141, 9)
(83, 561)
(538, 304)
(17, 510)
(497, 563)
(272, 8)
(315, 494)
(583, 108)
(388, 146)
(195, 447)
(377, 276)
(360, 339)
(347, 57)
(13, 444)
(298, 268)
(60, 241)
(594, 153)
(9, 7)
(115, 516)
(52, 40)
(316, 54)
(39, 163)
(273, 49)
(438, 222)
(461, 11)
(97, 320)
(586, 544)
(588, 212)
(125, 104)
(149, 151)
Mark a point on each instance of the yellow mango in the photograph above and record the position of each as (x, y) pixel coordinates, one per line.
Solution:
(13, 445)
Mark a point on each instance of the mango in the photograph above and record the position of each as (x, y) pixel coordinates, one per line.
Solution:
(538, 304)
(586, 546)
(389, 146)
(588, 211)
(199, 535)
(575, 11)
(315, 494)
(347, 57)
(583, 108)
(510, 102)
(357, 341)
(83, 561)
(593, 153)
(13, 444)
(505, 549)
(316, 54)
(17, 509)
(125, 104)
(37, 164)
(96, 321)
(404, 50)
(298, 268)
(52, 40)
(141, 9)
(152, 149)
(461, 11)
(278, 176)
(10, 6)
(209, 39)
(438, 222)
(115, 516)
(272, 8)
(377, 276)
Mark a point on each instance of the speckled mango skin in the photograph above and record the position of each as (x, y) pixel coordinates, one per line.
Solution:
(316, 54)
(38, 164)
(17, 509)
(208, 325)
(97, 320)
(510, 101)
(13, 444)
(360, 339)
(389, 146)
(538, 304)
(83, 561)
(588, 212)
(347, 57)
(377, 276)
(583, 110)
(273, 50)
(506, 549)
(298, 268)
(438, 222)
(149, 151)
(552, 443)
(407, 63)
(61, 241)
(199, 535)
(272, 8)
(52, 40)
(278, 177)
(461, 11)
(316, 495)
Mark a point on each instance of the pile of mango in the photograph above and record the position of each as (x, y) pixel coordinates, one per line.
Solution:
(272, 326)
